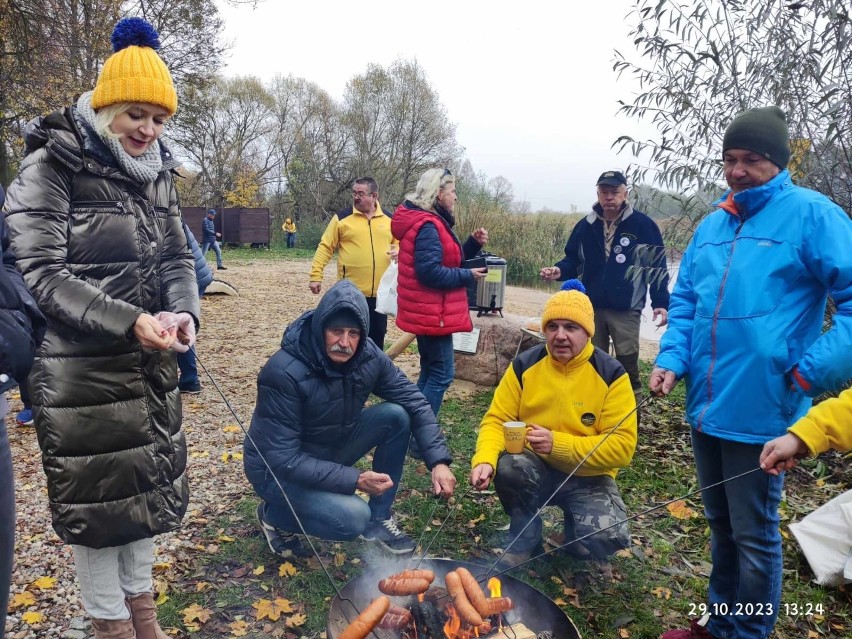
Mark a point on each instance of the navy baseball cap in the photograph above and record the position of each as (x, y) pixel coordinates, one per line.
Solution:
(211, 212)
(612, 178)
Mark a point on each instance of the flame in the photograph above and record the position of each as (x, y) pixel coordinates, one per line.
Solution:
(495, 587)
(421, 597)
(452, 625)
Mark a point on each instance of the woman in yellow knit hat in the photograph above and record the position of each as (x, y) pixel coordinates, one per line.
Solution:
(580, 413)
(93, 218)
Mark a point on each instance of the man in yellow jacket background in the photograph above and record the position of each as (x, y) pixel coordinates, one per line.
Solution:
(361, 236)
(571, 395)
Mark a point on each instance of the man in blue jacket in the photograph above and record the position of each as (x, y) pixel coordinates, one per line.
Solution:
(745, 332)
(310, 426)
(22, 327)
(617, 252)
(209, 238)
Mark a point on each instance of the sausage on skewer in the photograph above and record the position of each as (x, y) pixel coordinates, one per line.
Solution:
(396, 618)
(400, 586)
(474, 593)
(364, 623)
(465, 609)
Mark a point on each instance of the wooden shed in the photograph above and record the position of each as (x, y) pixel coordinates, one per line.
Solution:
(237, 226)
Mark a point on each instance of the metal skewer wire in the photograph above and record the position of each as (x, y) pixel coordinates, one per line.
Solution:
(440, 528)
(631, 518)
(564, 481)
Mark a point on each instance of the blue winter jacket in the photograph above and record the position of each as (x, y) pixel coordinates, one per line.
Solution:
(208, 230)
(748, 306)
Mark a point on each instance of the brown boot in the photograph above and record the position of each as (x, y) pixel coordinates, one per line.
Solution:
(113, 629)
(144, 613)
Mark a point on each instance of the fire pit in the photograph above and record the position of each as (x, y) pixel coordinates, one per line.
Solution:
(532, 608)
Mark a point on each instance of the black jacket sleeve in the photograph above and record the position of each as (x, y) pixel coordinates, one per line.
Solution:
(428, 258)
(569, 266)
(22, 325)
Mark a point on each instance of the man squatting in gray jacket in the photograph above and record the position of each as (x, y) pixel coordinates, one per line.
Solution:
(311, 426)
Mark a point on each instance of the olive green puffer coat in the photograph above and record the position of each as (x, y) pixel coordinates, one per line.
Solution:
(97, 250)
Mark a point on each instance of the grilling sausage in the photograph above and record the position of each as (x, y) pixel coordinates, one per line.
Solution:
(396, 618)
(399, 586)
(364, 623)
(496, 605)
(465, 609)
(422, 573)
(473, 591)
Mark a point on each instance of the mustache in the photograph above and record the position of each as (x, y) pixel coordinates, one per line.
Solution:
(337, 348)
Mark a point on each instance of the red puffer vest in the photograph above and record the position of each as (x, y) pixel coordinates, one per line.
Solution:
(421, 309)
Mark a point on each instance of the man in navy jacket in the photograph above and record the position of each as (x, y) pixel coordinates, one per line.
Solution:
(310, 427)
(617, 252)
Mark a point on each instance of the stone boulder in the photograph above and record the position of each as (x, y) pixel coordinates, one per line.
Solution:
(498, 343)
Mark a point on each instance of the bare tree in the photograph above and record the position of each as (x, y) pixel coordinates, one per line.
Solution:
(702, 61)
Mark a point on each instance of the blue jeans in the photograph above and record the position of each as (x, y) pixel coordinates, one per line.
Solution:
(188, 367)
(207, 245)
(745, 542)
(385, 427)
(437, 368)
(291, 240)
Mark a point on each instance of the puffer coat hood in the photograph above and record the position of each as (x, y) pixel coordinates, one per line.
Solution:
(307, 408)
(98, 250)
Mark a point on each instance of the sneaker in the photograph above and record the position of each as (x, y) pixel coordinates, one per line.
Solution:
(414, 449)
(281, 543)
(190, 388)
(221, 268)
(696, 630)
(25, 417)
(386, 533)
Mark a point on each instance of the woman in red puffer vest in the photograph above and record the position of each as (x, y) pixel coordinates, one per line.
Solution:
(432, 286)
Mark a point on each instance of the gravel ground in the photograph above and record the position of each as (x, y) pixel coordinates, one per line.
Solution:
(238, 335)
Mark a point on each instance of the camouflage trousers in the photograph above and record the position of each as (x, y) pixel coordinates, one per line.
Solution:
(589, 504)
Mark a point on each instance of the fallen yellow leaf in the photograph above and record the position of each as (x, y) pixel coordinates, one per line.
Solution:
(662, 593)
(472, 523)
(231, 428)
(195, 613)
(21, 600)
(680, 510)
(163, 598)
(259, 570)
(226, 538)
(287, 570)
(624, 553)
(271, 610)
(239, 628)
(44, 583)
(32, 617)
(201, 586)
(623, 633)
(339, 559)
(297, 620)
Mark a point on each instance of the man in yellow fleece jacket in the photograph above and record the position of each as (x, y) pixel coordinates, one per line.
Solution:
(571, 395)
(361, 236)
(826, 425)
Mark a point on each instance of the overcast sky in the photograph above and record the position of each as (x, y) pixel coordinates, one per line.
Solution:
(529, 84)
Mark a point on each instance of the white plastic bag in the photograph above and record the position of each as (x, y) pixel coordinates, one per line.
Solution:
(386, 296)
(826, 539)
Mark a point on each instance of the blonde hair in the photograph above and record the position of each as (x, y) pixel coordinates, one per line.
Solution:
(429, 186)
(106, 115)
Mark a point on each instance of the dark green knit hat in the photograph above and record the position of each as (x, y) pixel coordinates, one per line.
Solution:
(762, 130)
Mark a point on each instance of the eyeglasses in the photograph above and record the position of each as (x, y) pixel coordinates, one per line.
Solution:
(446, 173)
(361, 193)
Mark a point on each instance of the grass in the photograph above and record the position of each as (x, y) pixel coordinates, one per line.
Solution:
(659, 582)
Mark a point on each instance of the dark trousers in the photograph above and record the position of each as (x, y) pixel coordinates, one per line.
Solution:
(378, 324)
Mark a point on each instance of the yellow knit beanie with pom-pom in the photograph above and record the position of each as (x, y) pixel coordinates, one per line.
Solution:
(135, 73)
(570, 303)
